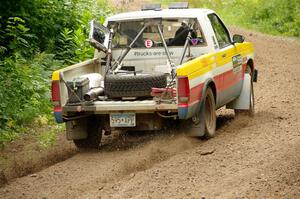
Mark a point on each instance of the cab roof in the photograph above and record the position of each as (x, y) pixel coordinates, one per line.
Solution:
(163, 13)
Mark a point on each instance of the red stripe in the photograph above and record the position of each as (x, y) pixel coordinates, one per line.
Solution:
(196, 93)
(229, 79)
(188, 105)
(57, 109)
(183, 105)
(222, 81)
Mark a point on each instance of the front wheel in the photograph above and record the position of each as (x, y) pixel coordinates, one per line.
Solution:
(210, 117)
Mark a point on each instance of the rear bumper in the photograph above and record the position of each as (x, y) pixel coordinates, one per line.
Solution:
(105, 107)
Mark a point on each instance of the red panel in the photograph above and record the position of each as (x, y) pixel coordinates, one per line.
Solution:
(57, 109)
(196, 93)
(55, 91)
(222, 81)
(183, 105)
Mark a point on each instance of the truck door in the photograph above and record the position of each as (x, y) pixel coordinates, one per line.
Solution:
(227, 74)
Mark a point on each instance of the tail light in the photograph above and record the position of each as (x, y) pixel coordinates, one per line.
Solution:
(55, 93)
(183, 87)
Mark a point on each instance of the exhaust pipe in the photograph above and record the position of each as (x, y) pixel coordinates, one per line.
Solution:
(93, 94)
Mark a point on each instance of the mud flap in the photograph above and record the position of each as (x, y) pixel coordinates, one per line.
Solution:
(77, 129)
(195, 127)
(243, 101)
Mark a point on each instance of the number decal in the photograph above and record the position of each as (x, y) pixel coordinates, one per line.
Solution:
(148, 43)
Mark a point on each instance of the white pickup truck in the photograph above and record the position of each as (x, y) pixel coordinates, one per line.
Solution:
(153, 66)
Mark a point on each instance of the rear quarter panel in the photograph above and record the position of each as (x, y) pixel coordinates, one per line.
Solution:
(212, 68)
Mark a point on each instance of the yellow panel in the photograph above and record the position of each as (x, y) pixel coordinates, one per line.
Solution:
(55, 75)
(196, 65)
(203, 64)
(200, 72)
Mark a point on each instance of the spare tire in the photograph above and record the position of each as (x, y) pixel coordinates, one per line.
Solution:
(133, 85)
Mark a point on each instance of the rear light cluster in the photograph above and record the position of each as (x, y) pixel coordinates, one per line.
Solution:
(183, 90)
(55, 93)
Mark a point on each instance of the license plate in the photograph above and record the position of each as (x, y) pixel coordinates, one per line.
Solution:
(122, 119)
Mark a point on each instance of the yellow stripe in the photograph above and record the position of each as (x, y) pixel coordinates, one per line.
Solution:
(55, 75)
(203, 64)
(200, 63)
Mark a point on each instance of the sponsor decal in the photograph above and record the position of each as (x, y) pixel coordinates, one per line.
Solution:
(147, 53)
(148, 43)
(237, 62)
(194, 41)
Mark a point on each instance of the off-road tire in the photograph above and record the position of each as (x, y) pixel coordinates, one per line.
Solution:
(210, 118)
(94, 133)
(133, 85)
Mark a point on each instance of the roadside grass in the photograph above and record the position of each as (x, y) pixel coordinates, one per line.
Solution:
(275, 17)
(41, 130)
(48, 138)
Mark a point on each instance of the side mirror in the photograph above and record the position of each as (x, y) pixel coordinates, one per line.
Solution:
(99, 36)
(238, 38)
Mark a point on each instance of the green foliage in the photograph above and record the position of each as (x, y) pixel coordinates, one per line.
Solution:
(272, 16)
(48, 138)
(83, 49)
(24, 92)
(17, 36)
(66, 46)
(6, 137)
(278, 16)
(73, 46)
(36, 38)
(38, 24)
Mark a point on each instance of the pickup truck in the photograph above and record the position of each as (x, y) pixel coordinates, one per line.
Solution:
(152, 68)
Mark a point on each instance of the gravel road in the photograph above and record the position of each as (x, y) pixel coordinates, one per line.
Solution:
(249, 157)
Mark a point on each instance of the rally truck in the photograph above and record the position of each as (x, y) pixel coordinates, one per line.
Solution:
(152, 69)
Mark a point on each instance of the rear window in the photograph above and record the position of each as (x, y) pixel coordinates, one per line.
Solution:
(175, 32)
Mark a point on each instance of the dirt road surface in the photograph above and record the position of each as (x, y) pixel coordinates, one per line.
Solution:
(249, 157)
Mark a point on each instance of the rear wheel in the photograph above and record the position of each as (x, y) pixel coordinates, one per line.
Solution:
(94, 135)
(210, 117)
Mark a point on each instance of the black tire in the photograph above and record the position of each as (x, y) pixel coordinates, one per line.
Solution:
(250, 112)
(94, 135)
(130, 85)
(210, 118)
